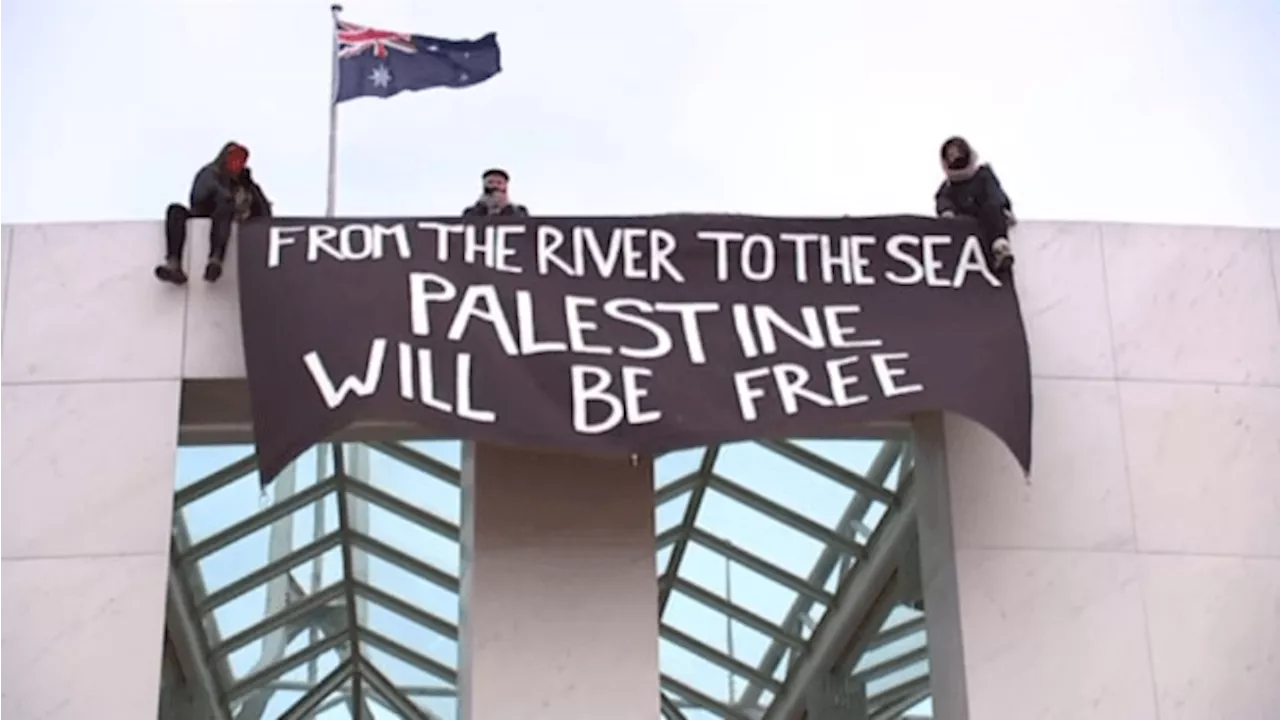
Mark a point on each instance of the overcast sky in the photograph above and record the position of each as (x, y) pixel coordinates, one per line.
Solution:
(1147, 110)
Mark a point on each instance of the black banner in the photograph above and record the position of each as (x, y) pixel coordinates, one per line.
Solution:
(624, 335)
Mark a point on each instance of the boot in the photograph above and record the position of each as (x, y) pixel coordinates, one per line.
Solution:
(171, 271)
(213, 270)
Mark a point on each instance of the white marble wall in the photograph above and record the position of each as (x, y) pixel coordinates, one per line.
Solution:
(92, 365)
(1136, 574)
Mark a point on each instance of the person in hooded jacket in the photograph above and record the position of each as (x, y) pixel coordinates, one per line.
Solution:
(223, 191)
(971, 189)
(493, 197)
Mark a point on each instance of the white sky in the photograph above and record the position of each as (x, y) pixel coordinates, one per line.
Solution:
(1146, 110)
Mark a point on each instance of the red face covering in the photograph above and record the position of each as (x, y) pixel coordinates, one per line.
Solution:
(236, 160)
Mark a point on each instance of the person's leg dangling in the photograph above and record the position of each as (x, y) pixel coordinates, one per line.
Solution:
(175, 239)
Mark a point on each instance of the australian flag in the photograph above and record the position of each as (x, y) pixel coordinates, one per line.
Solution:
(380, 63)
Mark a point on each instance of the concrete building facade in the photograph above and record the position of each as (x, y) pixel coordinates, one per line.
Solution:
(1134, 575)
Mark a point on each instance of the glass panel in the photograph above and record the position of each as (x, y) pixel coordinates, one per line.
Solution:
(759, 534)
(278, 645)
(416, 637)
(411, 538)
(664, 558)
(699, 674)
(751, 590)
(196, 463)
(922, 710)
(714, 628)
(382, 708)
(851, 453)
(785, 482)
(820, 497)
(675, 465)
(446, 452)
(424, 474)
(245, 610)
(282, 700)
(442, 701)
(416, 487)
(409, 587)
(240, 498)
(248, 554)
(316, 670)
(399, 672)
(670, 513)
(887, 663)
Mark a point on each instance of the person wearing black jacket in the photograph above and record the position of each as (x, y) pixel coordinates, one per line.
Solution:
(223, 191)
(972, 190)
(493, 197)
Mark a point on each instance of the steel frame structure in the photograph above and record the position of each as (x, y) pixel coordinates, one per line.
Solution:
(831, 646)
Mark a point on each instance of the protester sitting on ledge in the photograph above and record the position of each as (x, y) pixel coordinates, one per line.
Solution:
(223, 191)
(493, 197)
(973, 190)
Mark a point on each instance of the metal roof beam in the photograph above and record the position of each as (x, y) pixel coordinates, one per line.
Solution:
(855, 601)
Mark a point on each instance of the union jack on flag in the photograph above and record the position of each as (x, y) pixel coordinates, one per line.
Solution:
(354, 39)
(382, 63)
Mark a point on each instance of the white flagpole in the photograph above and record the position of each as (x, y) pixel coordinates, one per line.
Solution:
(331, 198)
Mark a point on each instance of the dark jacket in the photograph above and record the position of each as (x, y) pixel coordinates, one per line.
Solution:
(213, 185)
(975, 196)
(480, 209)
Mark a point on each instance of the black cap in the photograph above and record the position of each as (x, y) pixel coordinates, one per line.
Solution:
(497, 171)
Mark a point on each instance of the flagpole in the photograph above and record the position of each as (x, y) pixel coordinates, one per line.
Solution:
(331, 196)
